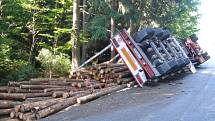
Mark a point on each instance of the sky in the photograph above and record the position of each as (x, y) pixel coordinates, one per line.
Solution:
(207, 26)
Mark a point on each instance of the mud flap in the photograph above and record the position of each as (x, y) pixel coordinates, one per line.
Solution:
(192, 68)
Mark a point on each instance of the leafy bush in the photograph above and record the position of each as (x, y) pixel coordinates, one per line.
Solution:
(22, 71)
(54, 64)
(18, 71)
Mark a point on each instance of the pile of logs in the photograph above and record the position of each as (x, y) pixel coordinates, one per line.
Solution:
(105, 73)
(41, 97)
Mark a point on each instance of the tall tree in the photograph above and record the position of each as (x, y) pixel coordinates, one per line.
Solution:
(114, 6)
(75, 35)
(84, 26)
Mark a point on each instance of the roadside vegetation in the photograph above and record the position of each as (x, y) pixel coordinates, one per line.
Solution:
(48, 38)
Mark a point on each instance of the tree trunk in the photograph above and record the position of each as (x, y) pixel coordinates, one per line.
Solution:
(113, 53)
(75, 36)
(114, 6)
(85, 45)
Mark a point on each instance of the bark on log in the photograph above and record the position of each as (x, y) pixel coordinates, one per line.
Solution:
(74, 84)
(17, 84)
(111, 85)
(18, 90)
(8, 104)
(13, 120)
(37, 99)
(120, 70)
(57, 94)
(58, 89)
(34, 95)
(125, 80)
(41, 104)
(59, 83)
(100, 93)
(115, 65)
(71, 94)
(12, 96)
(57, 107)
(6, 111)
(75, 80)
(97, 86)
(37, 87)
(25, 116)
(4, 89)
(124, 75)
(46, 79)
(81, 85)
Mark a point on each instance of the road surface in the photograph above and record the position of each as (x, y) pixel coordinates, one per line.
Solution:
(190, 97)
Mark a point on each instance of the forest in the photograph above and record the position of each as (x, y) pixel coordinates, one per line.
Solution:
(49, 38)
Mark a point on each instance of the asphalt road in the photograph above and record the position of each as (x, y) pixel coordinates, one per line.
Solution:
(190, 97)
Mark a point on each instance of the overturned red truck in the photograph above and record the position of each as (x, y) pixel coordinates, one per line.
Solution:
(152, 53)
(194, 51)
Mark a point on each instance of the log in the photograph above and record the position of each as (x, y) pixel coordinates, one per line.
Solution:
(14, 114)
(102, 66)
(25, 116)
(40, 104)
(12, 96)
(8, 104)
(13, 120)
(17, 108)
(18, 90)
(57, 94)
(17, 84)
(75, 80)
(100, 93)
(29, 117)
(59, 83)
(81, 85)
(71, 94)
(34, 95)
(3, 89)
(111, 85)
(125, 80)
(74, 84)
(37, 99)
(124, 75)
(116, 65)
(120, 70)
(57, 107)
(6, 111)
(46, 79)
(37, 87)
(57, 89)
(98, 86)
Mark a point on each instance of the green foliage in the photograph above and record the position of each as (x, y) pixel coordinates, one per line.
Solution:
(50, 22)
(21, 70)
(54, 64)
(181, 17)
(16, 71)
